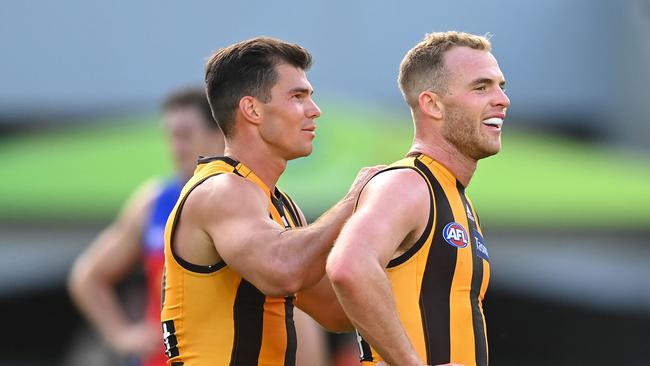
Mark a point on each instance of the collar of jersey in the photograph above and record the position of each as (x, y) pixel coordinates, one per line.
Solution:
(238, 168)
(247, 173)
(429, 161)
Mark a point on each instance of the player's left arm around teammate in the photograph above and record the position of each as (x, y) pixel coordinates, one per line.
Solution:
(279, 262)
(319, 301)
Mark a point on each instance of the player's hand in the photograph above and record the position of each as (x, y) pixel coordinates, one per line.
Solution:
(140, 339)
(362, 178)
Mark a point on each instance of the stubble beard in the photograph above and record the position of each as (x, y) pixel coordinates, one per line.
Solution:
(465, 134)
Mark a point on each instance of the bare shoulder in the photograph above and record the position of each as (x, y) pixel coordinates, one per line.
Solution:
(397, 188)
(394, 208)
(227, 194)
(391, 214)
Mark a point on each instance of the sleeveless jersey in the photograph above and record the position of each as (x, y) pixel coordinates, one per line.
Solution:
(439, 282)
(153, 245)
(210, 314)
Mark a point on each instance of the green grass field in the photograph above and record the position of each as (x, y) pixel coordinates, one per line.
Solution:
(84, 174)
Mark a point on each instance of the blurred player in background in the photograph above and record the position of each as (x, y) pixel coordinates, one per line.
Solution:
(411, 266)
(135, 238)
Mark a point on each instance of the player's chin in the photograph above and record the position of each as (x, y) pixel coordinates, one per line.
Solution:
(490, 150)
(301, 152)
(491, 144)
(307, 150)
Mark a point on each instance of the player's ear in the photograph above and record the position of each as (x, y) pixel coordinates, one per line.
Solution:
(430, 104)
(250, 109)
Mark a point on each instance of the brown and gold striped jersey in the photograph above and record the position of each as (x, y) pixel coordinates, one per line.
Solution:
(439, 282)
(210, 314)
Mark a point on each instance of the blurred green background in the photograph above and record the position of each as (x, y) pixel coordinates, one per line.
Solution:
(565, 206)
(538, 180)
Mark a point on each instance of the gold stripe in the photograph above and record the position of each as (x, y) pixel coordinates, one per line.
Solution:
(274, 332)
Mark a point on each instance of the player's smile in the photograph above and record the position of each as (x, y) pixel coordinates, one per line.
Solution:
(493, 123)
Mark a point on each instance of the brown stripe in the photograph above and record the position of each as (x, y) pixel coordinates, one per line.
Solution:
(291, 208)
(437, 279)
(290, 352)
(477, 280)
(248, 317)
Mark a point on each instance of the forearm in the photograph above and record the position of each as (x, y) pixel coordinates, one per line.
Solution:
(99, 304)
(367, 298)
(305, 250)
(320, 302)
(277, 261)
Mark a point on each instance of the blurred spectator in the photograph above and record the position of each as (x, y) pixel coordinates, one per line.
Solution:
(136, 236)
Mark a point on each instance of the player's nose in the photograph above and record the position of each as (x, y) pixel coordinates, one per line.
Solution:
(313, 111)
(502, 98)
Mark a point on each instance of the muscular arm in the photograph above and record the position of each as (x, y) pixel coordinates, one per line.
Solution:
(233, 213)
(319, 301)
(391, 212)
(108, 259)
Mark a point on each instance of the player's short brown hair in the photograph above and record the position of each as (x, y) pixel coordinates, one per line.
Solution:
(247, 68)
(191, 97)
(423, 68)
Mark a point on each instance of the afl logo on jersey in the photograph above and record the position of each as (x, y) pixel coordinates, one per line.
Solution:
(456, 235)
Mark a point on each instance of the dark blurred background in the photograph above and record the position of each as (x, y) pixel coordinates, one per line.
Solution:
(565, 206)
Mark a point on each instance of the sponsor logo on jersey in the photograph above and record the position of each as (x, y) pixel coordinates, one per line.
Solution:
(469, 213)
(456, 235)
(481, 249)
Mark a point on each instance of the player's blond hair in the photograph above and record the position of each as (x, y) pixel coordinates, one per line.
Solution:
(423, 68)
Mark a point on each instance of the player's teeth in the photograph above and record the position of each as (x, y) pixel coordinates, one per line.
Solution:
(495, 121)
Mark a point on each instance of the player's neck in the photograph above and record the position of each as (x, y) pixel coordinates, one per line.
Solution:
(266, 166)
(461, 166)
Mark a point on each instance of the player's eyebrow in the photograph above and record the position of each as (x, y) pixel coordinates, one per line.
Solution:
(301, 91)
(482, 81)
(487, 81)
